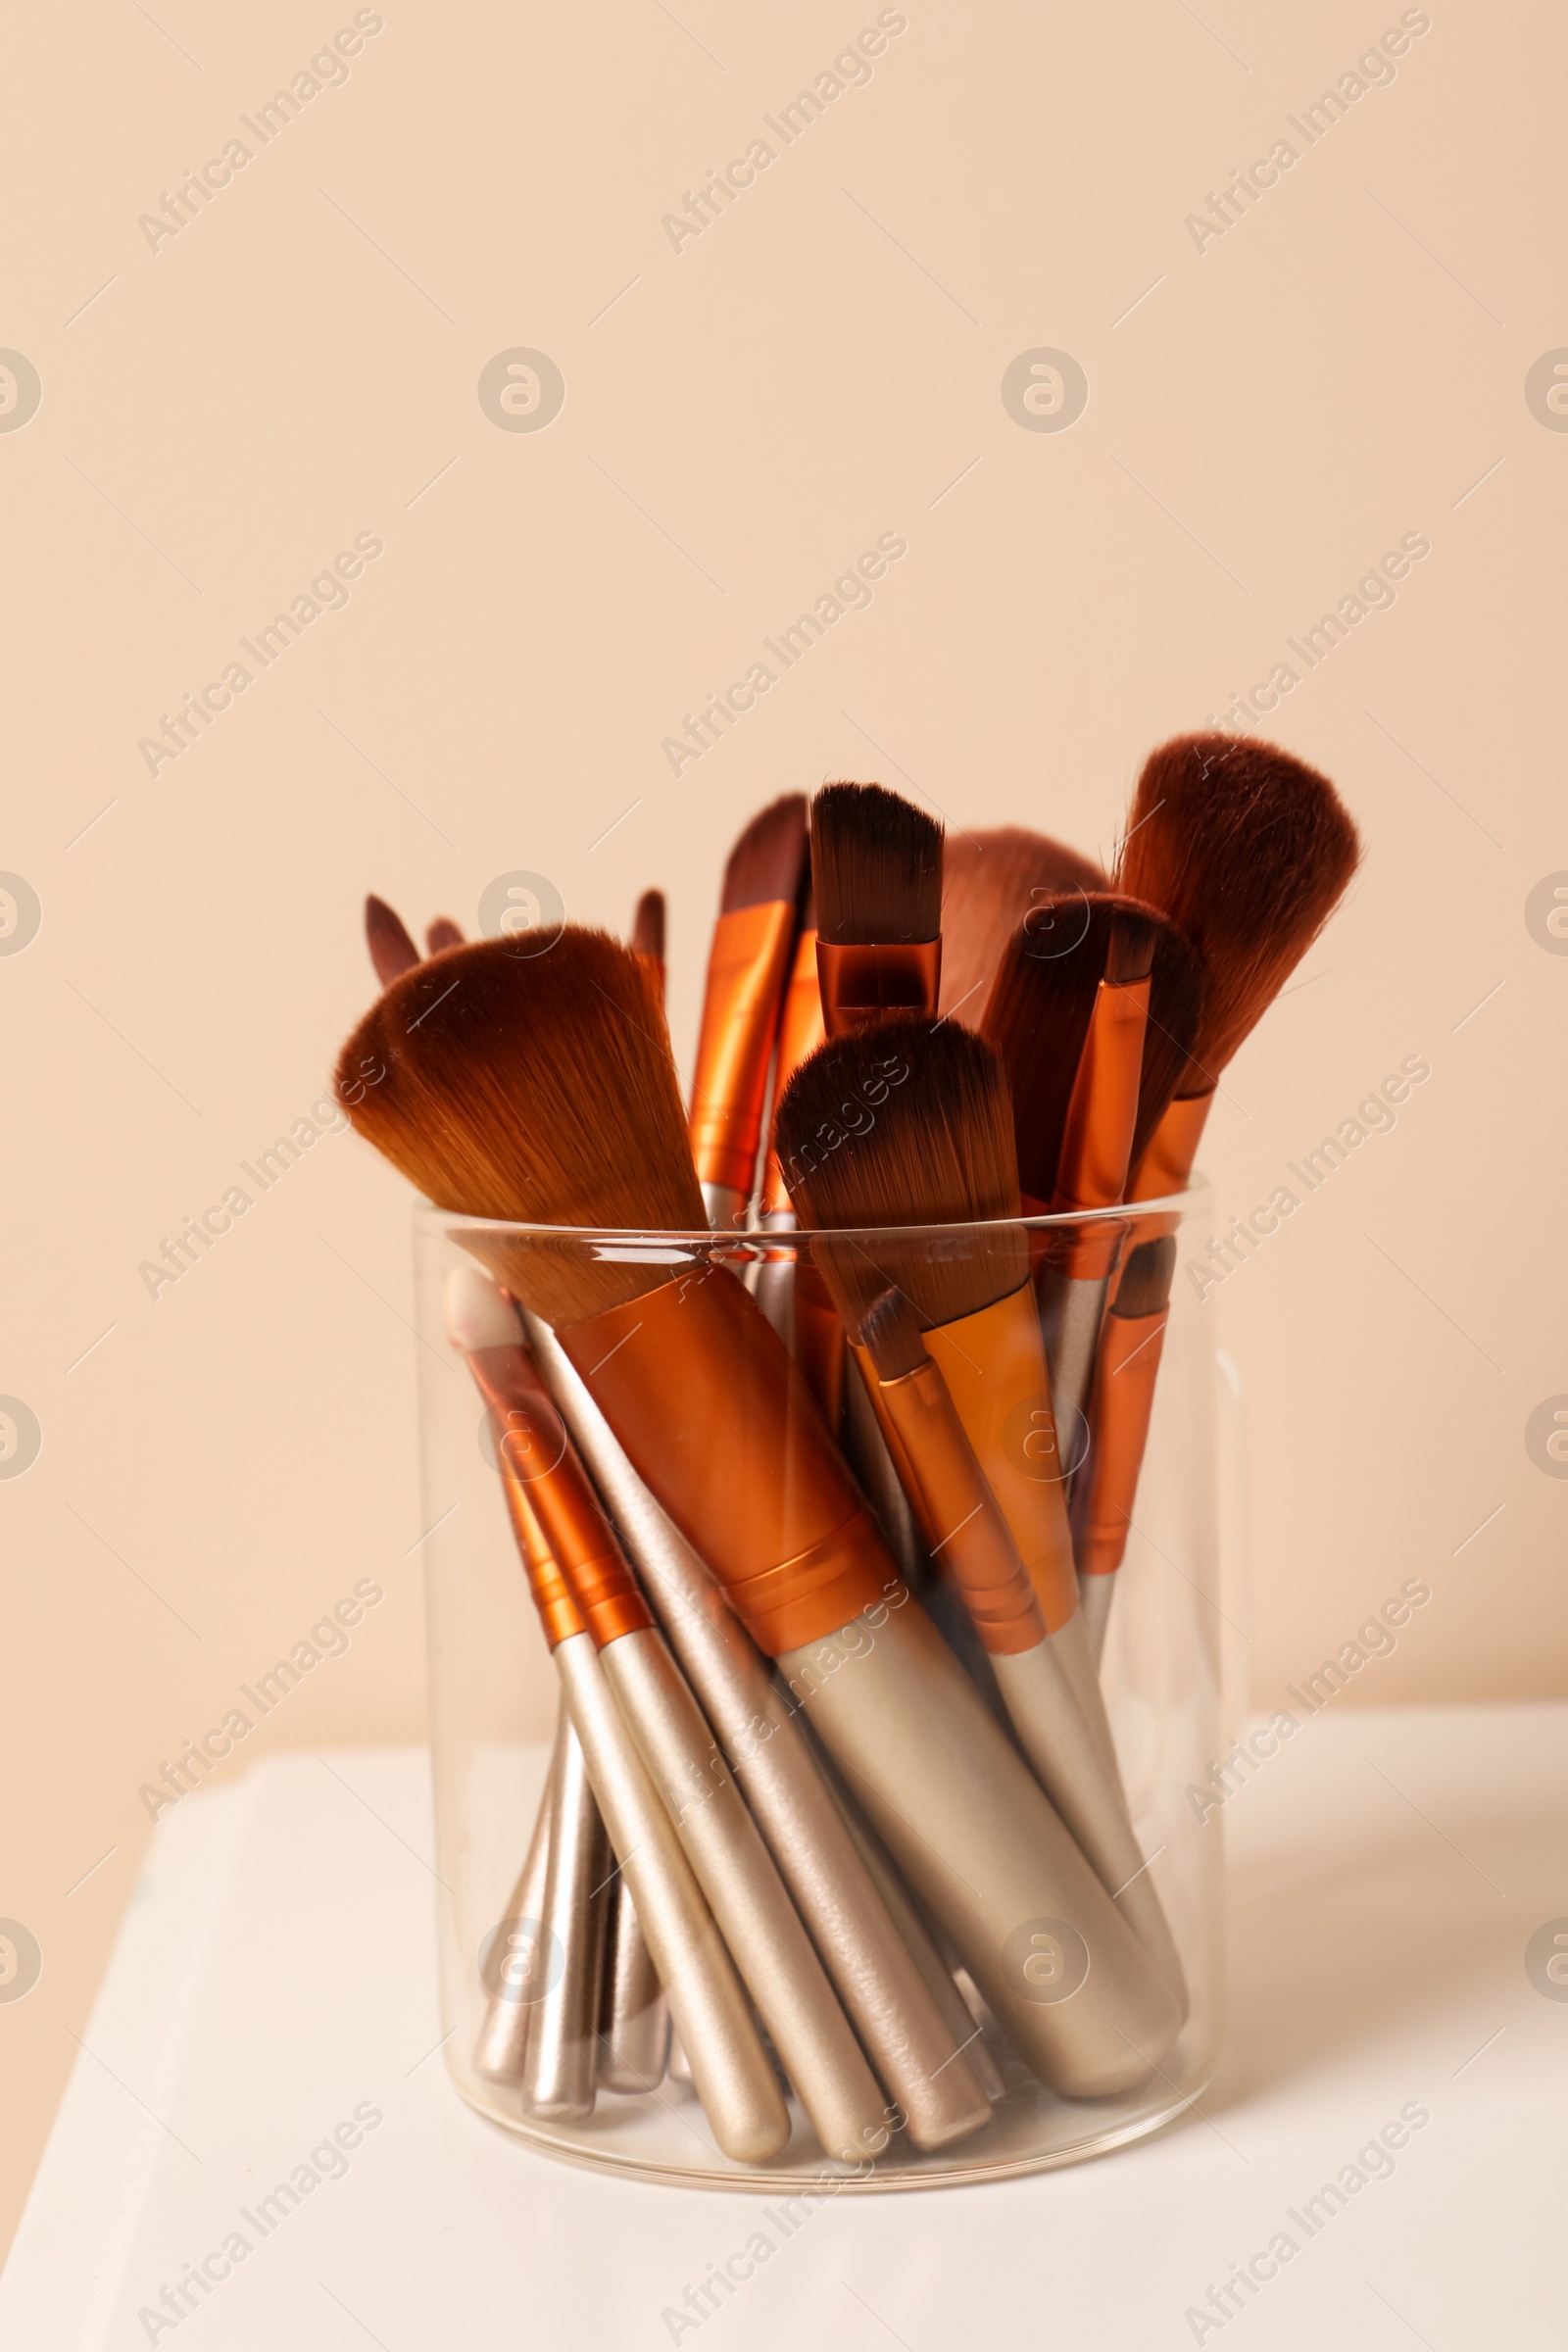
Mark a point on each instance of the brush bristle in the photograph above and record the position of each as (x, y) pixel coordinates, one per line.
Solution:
(1248, 850)
(766, 860)
(392, 951)
(1175, 1007)
(990, 882)
(536, 1090)
(648, 926)
(890, 1333)
(1038, 1017)
(442, 934)
(924, 1137)
(1135, 932)
(876, 865)
(1144, 1286)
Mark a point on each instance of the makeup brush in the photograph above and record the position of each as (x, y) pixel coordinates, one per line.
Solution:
(1125, 1372)
(906, 1126)
(969, 1530)
(634, 2023)
(442, 934)
(800, 1032)
(721, 1841)
(730, 2070)
(560, 2062)
(515, 1972)
(1249, 851)
(392, 951)
(747, 968)
(876, 869)
(648, 936)
(884, 1995)
(992, 881)
(538, 1090)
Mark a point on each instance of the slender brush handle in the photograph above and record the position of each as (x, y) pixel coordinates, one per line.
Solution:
(634, 2026)
(1072, 1308)
(560, 2061)
(516, 1970)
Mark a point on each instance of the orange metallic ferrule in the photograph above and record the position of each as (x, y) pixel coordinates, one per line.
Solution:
(970, 1535)
(746, 971)
(550, 1487)
(1098, 1138)
(800, 1032)
(719, 1425)
(993, 1363)
(1125, 1372)
(1168, 1157)
(859, 984)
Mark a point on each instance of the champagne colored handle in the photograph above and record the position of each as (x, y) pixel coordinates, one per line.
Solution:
(634, 2028)
(560, 2061)
(504, 2034)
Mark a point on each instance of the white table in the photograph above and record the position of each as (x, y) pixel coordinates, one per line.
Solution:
(275, 1974)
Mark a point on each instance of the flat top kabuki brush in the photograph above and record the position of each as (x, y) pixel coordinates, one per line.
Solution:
(1249, 851)
(746, 969)
(876, 868)
(539, 1091)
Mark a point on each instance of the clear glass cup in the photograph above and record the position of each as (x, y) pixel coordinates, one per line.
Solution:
(494, 1694)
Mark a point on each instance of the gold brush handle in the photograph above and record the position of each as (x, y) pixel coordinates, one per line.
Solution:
(515, 1969)
(560, 2059)
(634, 2028)
(986, 1854)
(748, 1899)
(731, 2072)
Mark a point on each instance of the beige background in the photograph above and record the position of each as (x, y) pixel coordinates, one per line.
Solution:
(299, 366)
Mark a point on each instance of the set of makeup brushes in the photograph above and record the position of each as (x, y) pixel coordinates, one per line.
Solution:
(823, 1514)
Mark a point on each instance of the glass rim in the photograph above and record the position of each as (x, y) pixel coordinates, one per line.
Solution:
(1169, 1204)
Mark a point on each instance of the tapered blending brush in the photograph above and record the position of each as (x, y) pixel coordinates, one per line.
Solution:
(876, 870)
(1125, 1372)
(746, 969)
(732, 1865)
(969, 1530)
(1249, 851)
(517, 1970)
(392, 951)
(537, 1091)
(991, 882)
(907, 1126)
(885, 1997)
(647, 937)
(442, 934)
(730, 2068)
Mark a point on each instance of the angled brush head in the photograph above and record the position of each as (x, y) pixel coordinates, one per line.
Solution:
(442, 934)
(766, 860)
(876, 866)
(1249, 851)
(1038, 1017)
(392, 951)
(890, 1334)
(991, 881)
(924, 1131)
(648, 926)
(536, 1089)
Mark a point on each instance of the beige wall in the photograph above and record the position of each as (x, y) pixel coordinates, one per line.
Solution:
(823, 366)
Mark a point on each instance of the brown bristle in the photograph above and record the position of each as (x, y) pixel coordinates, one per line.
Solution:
(648, 926)
(1144, 1286)
(1175, 1006)
(1038, 1017)
(990, 882)
(1248, 850)
(890, 1333)
(392, 951)
(876, 865)
(766, 860)
(442, 934)
(534, 1088)
(924, 1137)
(1133, 936)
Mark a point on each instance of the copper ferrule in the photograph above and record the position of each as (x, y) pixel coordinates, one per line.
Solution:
(1098, 1138)
(745, 971)
(800, 1032)
(552, 1488)
(859, 984)
(970, 1536)
(1166, 1165)
(993, 1363)
(558, 1613)
(1125, 1372)
(719, 1425)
